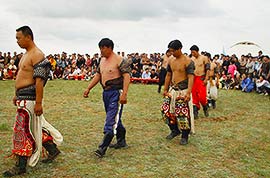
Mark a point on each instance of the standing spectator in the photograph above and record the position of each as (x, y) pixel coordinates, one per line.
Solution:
(243, 63)
(265, 69)
(163, 69)
(2, 61)
(232, 68)
(145, 62)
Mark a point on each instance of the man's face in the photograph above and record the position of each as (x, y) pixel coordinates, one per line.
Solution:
(105, 51)
(175, 53)
(168, 54)
(194, 53)
(21, 39)
(265, 59)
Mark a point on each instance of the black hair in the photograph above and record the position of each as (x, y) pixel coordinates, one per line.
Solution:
(207, 55)
(194, 48)
(175, 44)
(106, 42)
(26, 30)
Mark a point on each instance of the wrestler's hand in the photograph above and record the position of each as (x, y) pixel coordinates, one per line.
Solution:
(86, 93)
(38, 109)
(187, 97)
(14, 100)
(123, 99)
(205, 82)
(165, 93)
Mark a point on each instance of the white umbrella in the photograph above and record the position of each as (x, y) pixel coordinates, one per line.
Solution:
(244, 48)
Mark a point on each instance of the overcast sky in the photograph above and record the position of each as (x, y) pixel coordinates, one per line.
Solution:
(135, 25)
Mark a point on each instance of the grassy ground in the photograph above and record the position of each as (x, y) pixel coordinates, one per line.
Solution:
(233, 142)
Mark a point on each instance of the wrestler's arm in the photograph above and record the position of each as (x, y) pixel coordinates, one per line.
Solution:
(37, 57)
(93, 83)
(167, 82)
(207, 70)
(190, 85)
(123, 97)
(190, 75)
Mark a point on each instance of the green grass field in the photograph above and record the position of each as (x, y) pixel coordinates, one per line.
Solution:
(233, 142)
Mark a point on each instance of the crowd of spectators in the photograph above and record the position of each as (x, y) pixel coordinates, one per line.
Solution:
(248, 73)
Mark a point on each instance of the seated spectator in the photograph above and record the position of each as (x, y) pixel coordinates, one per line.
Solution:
(75, 73)
(58, 73)
(66, 73)
(229, 82)
(222, 80)
(153, 74)
(146, 74)
(247, 84)
(263, 86)
(12, 69)
(135, 73)
(5, 72)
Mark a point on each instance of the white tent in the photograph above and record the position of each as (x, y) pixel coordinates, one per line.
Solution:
(244, 48)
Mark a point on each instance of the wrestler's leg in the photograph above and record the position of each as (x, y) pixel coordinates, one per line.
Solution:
(203, 98)
(120, 131)
(174, 131)
(19, 168)
(110, 99)
(195, 98)
(50, 146)
(23, 143)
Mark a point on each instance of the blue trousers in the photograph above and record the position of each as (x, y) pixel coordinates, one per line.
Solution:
(113, 111)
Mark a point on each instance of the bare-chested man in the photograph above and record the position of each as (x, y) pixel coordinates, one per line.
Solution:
(31, 130)
(202, 66)
(163, 70)
(177, 106)
(114, 75)
(212, 83)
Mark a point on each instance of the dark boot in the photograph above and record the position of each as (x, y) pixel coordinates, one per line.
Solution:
(205, 110)
(174, 131)
(209, 102)
(184, 137)
(18, 169)
(52, 150)
(195, 112)
(121, 139)
(214, 104)
(100, 152)
(159, 88)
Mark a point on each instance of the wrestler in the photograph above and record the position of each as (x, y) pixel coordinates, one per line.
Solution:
(202, 66)
(163, 70)
(212, 83)
(114, 75)
(31, 130)
(177, 109)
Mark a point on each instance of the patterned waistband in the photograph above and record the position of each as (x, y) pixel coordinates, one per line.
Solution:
(27, 93)
(181, 85)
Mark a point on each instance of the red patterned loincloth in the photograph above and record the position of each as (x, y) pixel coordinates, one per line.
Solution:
(23, 141)
(182, 114)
